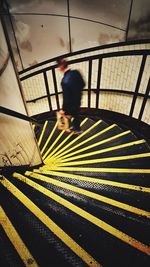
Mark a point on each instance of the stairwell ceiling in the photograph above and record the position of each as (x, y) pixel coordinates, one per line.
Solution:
(43, 29)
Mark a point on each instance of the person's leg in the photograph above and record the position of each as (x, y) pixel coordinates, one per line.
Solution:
(76, 122)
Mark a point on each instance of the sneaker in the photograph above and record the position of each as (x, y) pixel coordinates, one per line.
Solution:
(68, 130)
(71, 128)
(77, 131)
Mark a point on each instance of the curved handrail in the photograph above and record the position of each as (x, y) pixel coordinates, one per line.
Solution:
(41, 71)
(131, 42)
(18, 115)
(86, 58)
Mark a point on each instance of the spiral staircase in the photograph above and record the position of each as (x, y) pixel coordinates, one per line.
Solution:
(87, 205)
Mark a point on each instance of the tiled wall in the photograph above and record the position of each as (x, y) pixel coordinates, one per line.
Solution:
(118, 73)
(40, 30)
(17, 139)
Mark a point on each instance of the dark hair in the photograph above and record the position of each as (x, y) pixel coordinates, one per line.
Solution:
(62, 62)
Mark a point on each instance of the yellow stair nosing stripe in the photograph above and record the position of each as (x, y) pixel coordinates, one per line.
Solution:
(16, 240)
(90, 194)
(62, 152)
(94, 180)
(84, 121)
(95, 144)
(51, 225)
(78, 137)
(110, 159)
(33, 126)
(133, 143)
(98, 169)
(86, 215)
(53, 152)
(92, 145)
(50, 148)
(48, 139)
(42, 133)
(85, 140)
(56, 140)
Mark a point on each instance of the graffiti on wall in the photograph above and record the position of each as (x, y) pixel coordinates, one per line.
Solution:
(15, 156)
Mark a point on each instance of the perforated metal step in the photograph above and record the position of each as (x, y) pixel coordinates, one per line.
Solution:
(88, 205)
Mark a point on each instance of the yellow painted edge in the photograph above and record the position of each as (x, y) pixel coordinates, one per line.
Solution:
(33, 126)
(56, 140)
(50, 148)
(91, 169)
(97, 144)
(110, 159)
(79, 137)
(90, 194)
(92, 145)
(48, 139)
(64, 141)
(94, 180)
(97, 152)
(76, 138)
(86, 215)
(52, 226)
(42, 133)
(15, 239)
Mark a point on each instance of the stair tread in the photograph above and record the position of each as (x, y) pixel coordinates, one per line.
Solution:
(101, 212)
(90, 199)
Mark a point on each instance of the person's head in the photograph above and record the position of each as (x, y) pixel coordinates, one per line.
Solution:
(62, 64)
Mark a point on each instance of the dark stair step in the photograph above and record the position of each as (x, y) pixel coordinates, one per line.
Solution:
(42, 243)
(99, 152)
(79, 177)
(85, 127)
(104, 144)
(69, 221)
(118, 175)
(74, 139)
(78, 145)
(8, 256)
(46, 133)
(59, 138)
(131, 197)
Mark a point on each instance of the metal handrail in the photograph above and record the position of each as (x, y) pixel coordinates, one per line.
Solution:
(87, 50)
(43, 68)
(18, 115)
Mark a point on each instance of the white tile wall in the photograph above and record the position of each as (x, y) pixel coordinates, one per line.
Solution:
(120, 73)
(115, 102)
(38, 107)
(117, 73)
(34, 87)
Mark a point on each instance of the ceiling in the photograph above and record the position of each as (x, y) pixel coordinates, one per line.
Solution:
(43, 29)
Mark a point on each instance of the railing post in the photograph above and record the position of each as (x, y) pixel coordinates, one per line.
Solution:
(144, 100)
(138, 84)
(47, 90)
(55, 87)
(89, 83)
(98, 82)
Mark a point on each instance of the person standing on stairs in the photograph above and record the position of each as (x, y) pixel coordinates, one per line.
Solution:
(72, 85)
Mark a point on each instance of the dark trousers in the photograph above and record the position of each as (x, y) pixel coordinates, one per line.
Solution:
(76, 122)
(76, 119)
(74, 112)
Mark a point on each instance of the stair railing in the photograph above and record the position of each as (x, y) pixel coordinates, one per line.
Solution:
(18, 115)
(38, 78)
